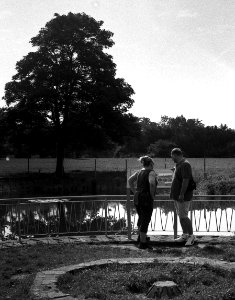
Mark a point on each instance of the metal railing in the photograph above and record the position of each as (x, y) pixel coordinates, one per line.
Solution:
(108, 214)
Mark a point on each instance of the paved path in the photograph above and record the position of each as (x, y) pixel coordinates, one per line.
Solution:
(44, 286)
(111, 239)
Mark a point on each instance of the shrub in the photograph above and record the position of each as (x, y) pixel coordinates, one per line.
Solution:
(216, 185)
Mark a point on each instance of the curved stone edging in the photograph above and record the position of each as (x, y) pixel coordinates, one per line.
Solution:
(44, 285)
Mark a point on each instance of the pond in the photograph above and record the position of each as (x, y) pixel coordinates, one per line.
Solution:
(42, 217)
(215, 221)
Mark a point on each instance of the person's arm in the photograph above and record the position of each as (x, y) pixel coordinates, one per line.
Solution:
(186, 174)
(152, 184)
(183, 188)
(131, 180)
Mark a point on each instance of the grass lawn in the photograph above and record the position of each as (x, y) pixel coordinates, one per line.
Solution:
(122, 282)
(19, 265)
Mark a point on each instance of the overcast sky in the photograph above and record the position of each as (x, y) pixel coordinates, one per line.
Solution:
(179, 56)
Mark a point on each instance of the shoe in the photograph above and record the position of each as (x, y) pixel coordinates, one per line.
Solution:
(182, 238)
(147, 239)
(190, 240)
(144, 246)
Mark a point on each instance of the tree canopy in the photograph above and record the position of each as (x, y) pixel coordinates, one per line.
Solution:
(70, 83)
(195, 139)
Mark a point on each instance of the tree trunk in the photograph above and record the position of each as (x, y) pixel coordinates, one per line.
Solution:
(163, 289)
(62, 222)
(60, 159)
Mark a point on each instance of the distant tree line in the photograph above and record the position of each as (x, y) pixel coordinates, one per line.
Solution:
(196, 139)
(29, 134)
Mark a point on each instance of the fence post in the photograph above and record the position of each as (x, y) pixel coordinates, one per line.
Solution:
(128, 205)
(94, 182)
(106, 216)
(204, 167)
(175, 224)
(95, 168)
(128, 210)
(18, 217)
(28, 164)
(191, 212)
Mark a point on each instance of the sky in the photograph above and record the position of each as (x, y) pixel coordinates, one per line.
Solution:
(178, 55)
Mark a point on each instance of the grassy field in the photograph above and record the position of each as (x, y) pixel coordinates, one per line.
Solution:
(47, 165)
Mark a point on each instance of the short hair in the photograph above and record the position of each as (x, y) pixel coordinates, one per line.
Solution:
(146, 160)
(177, 151)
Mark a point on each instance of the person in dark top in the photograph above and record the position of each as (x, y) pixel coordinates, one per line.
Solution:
(144, 193)
(182, 195)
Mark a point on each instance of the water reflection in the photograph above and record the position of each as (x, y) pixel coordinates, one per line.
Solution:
(51, 218)
(205, 221)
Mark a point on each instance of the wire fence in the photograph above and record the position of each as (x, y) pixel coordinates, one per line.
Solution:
(9, 165)
(103, 214)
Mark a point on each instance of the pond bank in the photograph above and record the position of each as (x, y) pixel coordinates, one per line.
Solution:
(163, 240)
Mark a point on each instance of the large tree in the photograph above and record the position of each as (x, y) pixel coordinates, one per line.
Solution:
(70, 76)
(187, 133)
(161, 148)
(27, 132)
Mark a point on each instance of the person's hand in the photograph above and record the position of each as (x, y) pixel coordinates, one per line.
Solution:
(133, 190)
(181, 197)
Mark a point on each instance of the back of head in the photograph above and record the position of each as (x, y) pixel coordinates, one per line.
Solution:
(146, 160)
(177, 151)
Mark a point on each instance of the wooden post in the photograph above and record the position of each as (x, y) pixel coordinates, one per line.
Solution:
(175, 224)
(94, 182)
(204, 167)
(128, 210)
(95, 169)
(191, 212)
(165, 162)
(18, 217)
(106, 217)
(28, 164)
(128, 204)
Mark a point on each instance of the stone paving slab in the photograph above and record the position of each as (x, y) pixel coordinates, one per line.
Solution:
(165, 240)
(70, 298)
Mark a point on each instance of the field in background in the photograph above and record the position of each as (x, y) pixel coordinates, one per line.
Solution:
(47, 165)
